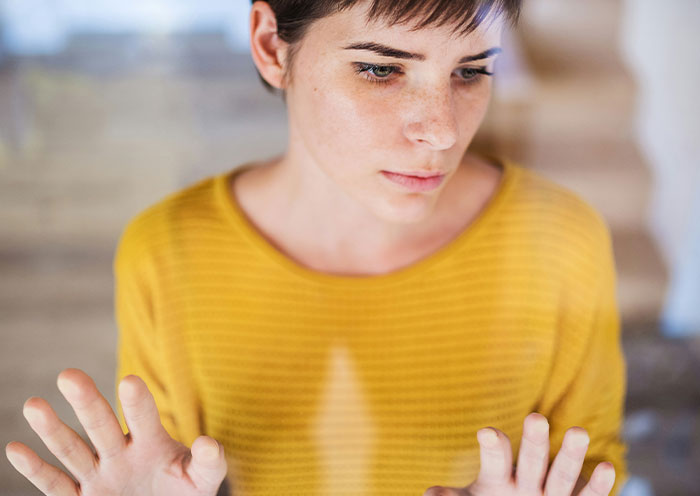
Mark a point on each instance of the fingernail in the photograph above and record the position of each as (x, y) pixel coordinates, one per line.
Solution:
(127, 388)
(7, 449)
(581, 439)
(210, 452)
(542, 427)
(31, 415)
(611, 475)
(67, 387)
(487, 437)
(17, 461)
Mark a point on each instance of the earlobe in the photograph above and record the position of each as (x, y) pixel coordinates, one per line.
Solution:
(266, 47)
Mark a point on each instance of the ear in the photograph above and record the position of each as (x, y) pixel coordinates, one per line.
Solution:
(267, 49)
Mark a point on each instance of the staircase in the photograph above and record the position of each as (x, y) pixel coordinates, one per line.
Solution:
(564, 107)
(566, 110)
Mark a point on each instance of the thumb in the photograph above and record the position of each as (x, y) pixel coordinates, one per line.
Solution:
(208, 466)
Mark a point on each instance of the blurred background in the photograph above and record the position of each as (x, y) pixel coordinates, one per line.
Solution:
(106, 106)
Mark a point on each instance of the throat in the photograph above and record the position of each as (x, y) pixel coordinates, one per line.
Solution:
(307, 238)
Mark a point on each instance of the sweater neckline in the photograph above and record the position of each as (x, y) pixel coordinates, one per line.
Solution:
(237, 217)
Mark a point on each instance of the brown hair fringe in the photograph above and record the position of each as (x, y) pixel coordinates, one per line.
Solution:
(295, 16)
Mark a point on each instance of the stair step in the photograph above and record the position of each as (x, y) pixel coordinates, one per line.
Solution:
(641, 278)
(611, 177)
(569, 107)
(570, 35)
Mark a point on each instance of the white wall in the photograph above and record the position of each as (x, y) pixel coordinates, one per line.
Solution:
(660, 43)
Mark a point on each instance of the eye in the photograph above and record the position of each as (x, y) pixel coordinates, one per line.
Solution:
(474, 74)
(377, 73)
(380, 74)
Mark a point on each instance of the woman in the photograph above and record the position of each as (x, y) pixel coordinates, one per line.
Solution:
(347, 318)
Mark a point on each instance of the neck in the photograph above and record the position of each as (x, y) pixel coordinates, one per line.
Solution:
(321, 219)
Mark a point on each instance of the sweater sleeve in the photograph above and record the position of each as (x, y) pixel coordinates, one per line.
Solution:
(594, 395)
(139, 349)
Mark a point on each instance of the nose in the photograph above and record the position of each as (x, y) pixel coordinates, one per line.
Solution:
(433, 121)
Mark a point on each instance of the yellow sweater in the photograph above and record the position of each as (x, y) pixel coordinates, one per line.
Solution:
(320, 384)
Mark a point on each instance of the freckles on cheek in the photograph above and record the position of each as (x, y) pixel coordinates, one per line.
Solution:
(477, 113)
(354, 118)
(326, 124)
(372, 117)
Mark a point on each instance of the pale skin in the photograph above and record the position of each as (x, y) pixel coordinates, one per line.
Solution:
(340, 216)
(146, 461)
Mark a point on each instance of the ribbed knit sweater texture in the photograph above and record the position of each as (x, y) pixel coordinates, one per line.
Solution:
(322, 384)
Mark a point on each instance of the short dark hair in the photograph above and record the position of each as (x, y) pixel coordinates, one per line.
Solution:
(295, 16)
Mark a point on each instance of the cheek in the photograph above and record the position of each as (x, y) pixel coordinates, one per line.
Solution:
(472, 106)
(481, 96)
(350, 121)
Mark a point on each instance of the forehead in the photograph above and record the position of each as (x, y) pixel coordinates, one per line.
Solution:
(353, 24)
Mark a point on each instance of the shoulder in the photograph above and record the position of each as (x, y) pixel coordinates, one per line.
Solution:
(565, 210)
(158, 224)
(557, 225)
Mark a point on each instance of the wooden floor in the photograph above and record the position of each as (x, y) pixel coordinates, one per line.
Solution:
(90, 138)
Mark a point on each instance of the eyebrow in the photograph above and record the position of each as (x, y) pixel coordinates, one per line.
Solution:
(388, 51)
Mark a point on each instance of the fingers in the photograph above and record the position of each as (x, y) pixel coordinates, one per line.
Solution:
(533, 456)
(48, 479)
(94, 412)
(496, 458)
(566, 467)
(140, 411)
(207, 469)
(602, 481)
(60, 439)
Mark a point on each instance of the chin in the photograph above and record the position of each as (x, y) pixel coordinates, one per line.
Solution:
(406, 211)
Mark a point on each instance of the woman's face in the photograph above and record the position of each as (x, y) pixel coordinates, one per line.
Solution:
(408, 115)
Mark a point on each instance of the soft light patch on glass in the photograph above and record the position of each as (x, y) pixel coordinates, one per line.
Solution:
(344, 431)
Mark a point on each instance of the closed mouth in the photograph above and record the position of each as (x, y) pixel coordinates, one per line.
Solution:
(420, 175)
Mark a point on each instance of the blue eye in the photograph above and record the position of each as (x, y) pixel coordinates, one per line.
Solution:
(475, 73)
(380, 74)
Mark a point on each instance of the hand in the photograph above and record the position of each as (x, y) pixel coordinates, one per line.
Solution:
(497, 478)
(146, 461)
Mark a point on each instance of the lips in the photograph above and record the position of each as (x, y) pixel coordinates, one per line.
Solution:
(418, 174)
(414, 183)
